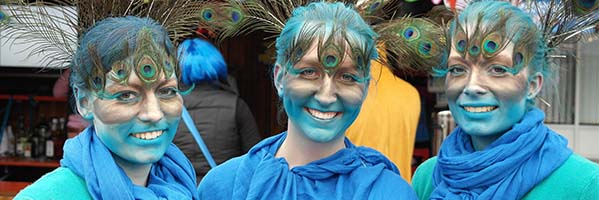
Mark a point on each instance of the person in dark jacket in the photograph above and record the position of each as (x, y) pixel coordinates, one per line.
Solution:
(223, 119)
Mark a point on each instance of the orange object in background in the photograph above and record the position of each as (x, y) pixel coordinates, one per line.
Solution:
(388, 118)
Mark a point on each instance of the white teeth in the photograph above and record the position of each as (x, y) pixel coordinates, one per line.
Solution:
(148, 135)
(322, 115)
(479, 109)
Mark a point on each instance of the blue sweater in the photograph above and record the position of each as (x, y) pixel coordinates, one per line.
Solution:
(576, 179)
(61, 183)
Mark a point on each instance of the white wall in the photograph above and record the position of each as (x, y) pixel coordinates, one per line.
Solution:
(15, 54)
(589, 83)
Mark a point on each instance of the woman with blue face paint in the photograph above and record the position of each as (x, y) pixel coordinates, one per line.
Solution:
(321, 75)
(501, 148)
(124, 77)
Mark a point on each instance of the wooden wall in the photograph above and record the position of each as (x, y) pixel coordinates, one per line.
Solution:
(254, 78)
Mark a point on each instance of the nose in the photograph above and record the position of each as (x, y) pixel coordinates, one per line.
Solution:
(327, 93)
(474, 86)
(150, 110)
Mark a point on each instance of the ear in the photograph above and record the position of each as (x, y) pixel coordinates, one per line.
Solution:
(83, 102)
(535, 84)
(278, 79)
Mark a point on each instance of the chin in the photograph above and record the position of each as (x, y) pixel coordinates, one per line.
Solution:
(148, 159)
(322, 136)
(482, 130)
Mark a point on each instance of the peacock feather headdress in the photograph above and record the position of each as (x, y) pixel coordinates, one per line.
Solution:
(55, 28)
(551, 23)
(420, 50)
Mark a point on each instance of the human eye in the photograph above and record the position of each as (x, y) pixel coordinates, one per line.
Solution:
(456, 70)
(498, 70)
(349, 77)
(308, 73)
(167, 92)
(126, 96)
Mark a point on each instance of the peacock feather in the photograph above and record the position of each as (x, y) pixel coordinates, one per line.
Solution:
(33, 22)
(120, 69)
(270, 16)
(412, 43)
(97, 79)
(331, 52)
(562, 20)
(223, 18)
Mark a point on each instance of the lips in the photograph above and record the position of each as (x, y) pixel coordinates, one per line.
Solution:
(322, 115)
(148, 135)
(479, 109)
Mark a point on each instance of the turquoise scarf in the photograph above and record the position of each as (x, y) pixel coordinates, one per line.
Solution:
(171, 177)
(507, 169)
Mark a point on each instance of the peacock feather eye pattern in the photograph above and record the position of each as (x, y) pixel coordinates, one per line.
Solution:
(413, 43)
(147, 69)
(582, 7)
(149, 60)
(331, 52)
(426, 49)
(492, 44)
(374, 6)
(358, 58)
(460, 40)
(168, 69)
(120, 72)
(236, 15)
(411, 33)
(461, 45)
(3, 17)
(521, 57)
(96, 79)
(207, 14)
(474, 50)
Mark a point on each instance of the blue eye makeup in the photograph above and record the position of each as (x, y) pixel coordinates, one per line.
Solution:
(456, 70)
(348, 77)
(167, 92)
(498, 70)
(126, 96)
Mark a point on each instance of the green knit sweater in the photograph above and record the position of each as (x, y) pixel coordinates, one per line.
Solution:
(576, 179)
(61, 183)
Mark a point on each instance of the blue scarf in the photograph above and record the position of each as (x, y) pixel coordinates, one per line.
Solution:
(171, 177)
(348, 174)
(507, 169)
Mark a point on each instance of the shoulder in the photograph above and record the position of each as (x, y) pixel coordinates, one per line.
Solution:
(391, 183)
(578, 170)
(218, 182)
(577, 178)
(423, 178)
(425, 170)
(61, 183)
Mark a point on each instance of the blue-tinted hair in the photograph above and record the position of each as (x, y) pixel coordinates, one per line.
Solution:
(109, 37)
(321, 20)
(200, 61)
(519, 28)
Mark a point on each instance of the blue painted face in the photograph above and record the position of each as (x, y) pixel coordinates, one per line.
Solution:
(322, 102)
(486, 96)
(140, 123)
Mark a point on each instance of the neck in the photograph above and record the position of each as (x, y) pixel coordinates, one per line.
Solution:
(299, 150)
(138, 173)
(481, 142)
